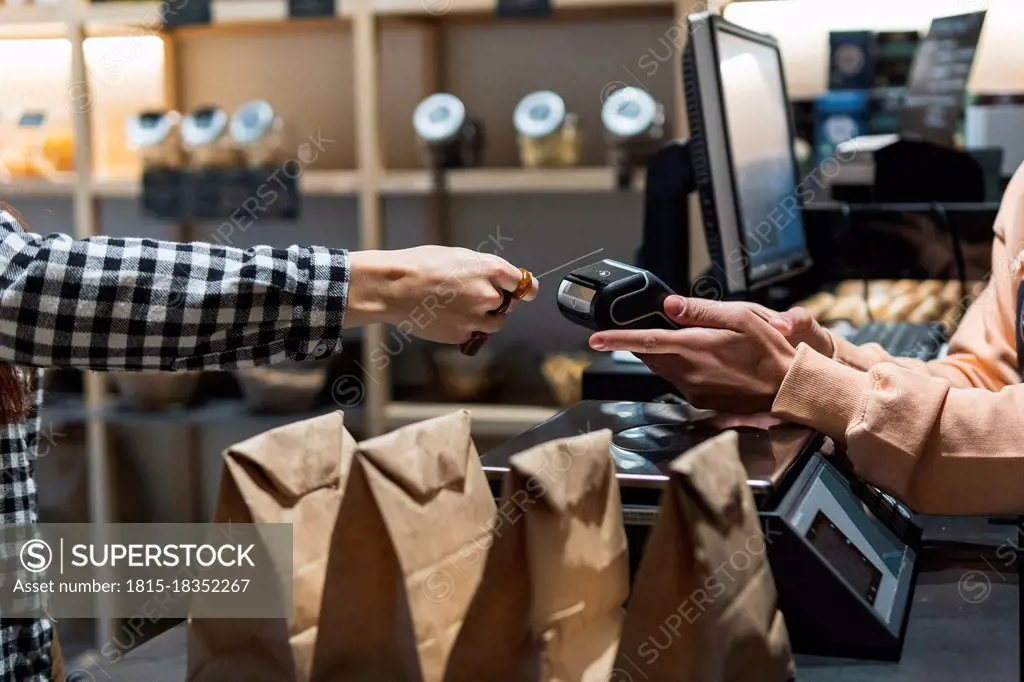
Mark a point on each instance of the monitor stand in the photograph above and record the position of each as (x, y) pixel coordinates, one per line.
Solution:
(666, 238)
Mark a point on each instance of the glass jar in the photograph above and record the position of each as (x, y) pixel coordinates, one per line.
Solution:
(204, 133)
(634, 126)
(155, 137)
(448, 137)
(547, 135)
(257, 130)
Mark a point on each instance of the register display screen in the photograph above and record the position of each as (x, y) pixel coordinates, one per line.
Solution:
(764, 171)
(844, 556)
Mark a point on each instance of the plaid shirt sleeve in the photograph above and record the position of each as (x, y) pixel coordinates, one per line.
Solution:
(141, 304)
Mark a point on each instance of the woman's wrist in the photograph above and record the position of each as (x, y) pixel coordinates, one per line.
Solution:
(373, 278)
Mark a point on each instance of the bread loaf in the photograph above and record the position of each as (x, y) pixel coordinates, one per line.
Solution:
(852, 308)
(819, 304)
(930, 310)
(900, 307)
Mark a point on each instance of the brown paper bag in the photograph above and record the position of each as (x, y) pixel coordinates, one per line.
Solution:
(703, 607)
(549, 607)
(385, 555)
(410, 545)
(293, 474)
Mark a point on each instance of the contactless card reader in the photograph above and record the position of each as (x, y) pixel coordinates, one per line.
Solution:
(613, 295)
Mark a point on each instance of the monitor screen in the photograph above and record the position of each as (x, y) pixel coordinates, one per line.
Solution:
(760, 145)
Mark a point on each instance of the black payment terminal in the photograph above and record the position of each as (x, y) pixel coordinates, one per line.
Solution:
(613, 295)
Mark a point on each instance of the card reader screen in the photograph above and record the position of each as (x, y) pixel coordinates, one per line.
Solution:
(844, 556)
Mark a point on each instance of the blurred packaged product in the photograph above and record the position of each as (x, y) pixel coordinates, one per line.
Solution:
(852, 60)
(287, 387)
(156, 137)
(449, 138)
(634, 126)
(38, 145)
(206, 139)
(838, 117)
(257, 130)
(894, 57)
(547, 135)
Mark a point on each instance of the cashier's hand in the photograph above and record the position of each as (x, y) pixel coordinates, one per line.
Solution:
(437, 293)
(728, 357)
(797, 325)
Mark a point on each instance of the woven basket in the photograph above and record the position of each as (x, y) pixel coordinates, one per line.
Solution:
(564, 375)
(155, 391)
(292, 387)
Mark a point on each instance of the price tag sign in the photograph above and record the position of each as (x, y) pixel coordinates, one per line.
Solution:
(298, 9)
(509, 9)
(938, 79)
(185, 12)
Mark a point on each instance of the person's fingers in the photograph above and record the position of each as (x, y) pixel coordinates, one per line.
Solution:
(503, 274)
(487, 299)
(534, 289)
(653, 341)
(800, 319)
(696, 312)
(782, 323)
(489, 324)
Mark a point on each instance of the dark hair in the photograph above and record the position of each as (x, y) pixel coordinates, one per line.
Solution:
(14, 387)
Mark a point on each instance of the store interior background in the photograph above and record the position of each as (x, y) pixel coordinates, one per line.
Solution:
(306, 71)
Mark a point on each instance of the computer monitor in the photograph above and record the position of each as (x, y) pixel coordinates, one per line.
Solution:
(741, 139)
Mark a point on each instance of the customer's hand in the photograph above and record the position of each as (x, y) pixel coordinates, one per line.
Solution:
(727, 357)
(437, 293)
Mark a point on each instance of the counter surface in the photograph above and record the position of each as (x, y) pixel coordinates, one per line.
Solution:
(964, 623)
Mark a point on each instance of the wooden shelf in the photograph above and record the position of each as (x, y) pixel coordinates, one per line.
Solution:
(311, 183)
(510, 181)
(439, 8)
(64, 187)
(32, 20)
(17, 19)
(489, 420)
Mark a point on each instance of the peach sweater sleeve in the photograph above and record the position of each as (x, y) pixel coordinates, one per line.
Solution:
(947, 437)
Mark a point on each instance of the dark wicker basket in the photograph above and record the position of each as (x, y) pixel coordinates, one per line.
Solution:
(155, 391)
(291, 387)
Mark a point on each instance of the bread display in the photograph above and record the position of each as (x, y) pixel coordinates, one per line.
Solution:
(905, 300)
(819, 304)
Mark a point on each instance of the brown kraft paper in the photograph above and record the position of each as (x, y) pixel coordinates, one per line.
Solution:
(703, 607)
(549, 608)
(374, 526)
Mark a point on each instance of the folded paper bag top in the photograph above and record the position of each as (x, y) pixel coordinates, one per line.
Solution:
(409, 552)
(424, 460)
(376, 529)
(292, 474)
(549, 606)
(581, 464)
(298, 458)
(717, 480)
(704, 605)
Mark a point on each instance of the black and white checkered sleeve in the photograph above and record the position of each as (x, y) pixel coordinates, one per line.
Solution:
(141, 304)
